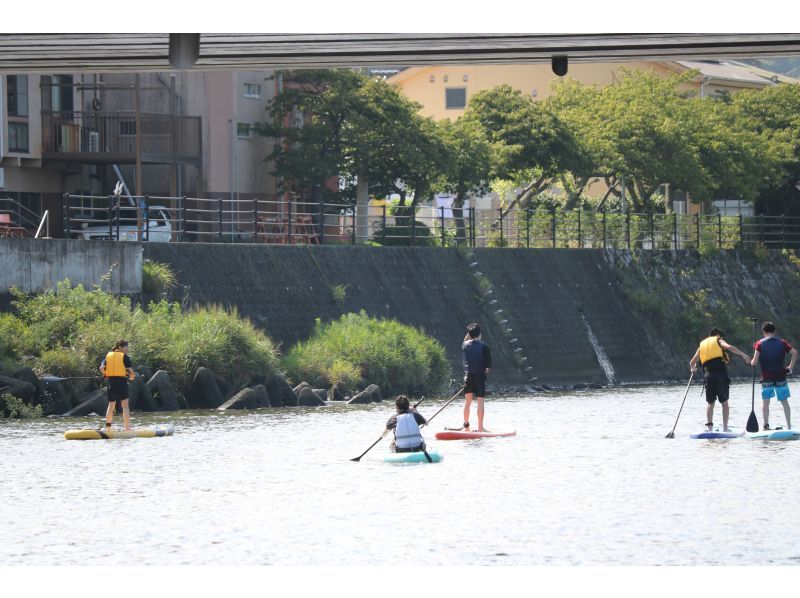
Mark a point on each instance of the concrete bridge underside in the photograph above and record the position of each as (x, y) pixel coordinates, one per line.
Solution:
(106, 52)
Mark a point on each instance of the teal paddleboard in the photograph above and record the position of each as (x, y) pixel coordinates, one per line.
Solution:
(412, 457)
(776, 435)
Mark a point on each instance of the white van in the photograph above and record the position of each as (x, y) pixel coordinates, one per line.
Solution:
(159, 227)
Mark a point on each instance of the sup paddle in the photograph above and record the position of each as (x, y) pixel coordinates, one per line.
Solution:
(672, 433)
(752, 421)
(385, 432)
(453, 398)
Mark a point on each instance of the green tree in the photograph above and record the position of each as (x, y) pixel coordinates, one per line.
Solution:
(774, 115)
(469, 165)
(532, 145)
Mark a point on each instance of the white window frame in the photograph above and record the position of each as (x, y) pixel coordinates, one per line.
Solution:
(249, 134)
(254, 96)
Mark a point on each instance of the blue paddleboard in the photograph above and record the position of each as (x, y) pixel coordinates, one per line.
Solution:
(776, 435)
(711, 435)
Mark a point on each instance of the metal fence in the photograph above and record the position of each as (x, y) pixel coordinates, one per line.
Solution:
(283, 221)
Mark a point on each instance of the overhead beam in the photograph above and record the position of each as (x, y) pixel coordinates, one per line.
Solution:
(104, 52)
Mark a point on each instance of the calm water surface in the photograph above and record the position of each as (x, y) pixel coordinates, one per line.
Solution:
(589, 479)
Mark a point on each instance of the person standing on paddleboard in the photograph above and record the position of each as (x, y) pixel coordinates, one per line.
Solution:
(477, 362)
(118, 368)
(713, 355)
(406, 423)
(771, 351)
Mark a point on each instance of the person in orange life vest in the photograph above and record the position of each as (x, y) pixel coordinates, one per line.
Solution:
(712, 354)
(406, 423)
(118, 368)
(771, 351)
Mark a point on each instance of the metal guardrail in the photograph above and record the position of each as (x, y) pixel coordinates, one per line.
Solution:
(279, 221)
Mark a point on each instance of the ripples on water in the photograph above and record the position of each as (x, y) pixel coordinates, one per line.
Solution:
(589, 479)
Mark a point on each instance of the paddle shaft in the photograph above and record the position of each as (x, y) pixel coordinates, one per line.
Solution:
(384, 434)
(672, 433)
(453, 398)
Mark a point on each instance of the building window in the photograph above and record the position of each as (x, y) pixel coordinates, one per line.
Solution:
(252, 90)
(244, 130)
(455, 98)
(17, 95)
(18, 137)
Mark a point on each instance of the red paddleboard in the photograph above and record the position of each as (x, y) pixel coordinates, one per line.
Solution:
(464, 435)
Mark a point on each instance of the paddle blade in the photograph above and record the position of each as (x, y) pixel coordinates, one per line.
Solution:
(752, 422)
(671, 435)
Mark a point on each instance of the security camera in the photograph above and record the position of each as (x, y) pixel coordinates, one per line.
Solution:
(560, 64)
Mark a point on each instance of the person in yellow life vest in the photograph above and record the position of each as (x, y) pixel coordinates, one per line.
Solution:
(118, 369)
(713, 355)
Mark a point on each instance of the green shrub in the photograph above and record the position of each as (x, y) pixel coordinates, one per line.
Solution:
(403, 235)
(157, 278)
(11, 330)
(358, 350)
(17, 408)
(66, 362)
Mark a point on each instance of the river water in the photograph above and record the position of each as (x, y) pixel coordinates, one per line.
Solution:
(589, 479)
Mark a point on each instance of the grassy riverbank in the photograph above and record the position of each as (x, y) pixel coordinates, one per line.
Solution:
(67, 332)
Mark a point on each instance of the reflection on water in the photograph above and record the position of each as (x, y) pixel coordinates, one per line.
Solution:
(589, 479)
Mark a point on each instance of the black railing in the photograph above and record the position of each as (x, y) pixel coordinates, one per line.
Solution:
(281, 221)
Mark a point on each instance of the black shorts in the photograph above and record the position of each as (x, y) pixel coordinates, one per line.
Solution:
(475, 384)
(117, 389)
(717, 389)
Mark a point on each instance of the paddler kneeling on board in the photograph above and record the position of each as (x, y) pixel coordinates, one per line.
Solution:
(407, 435)
(118, 368)
(713, 355)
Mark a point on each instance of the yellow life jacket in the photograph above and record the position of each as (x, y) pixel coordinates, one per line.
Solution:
(711, 349)
(115, 365)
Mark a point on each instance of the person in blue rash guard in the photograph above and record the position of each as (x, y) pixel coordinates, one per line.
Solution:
(477, 363)
(771, 352)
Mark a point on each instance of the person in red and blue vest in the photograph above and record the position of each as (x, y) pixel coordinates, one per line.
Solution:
(771, 352)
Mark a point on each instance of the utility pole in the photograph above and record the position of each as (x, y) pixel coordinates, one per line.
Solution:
(139, 192)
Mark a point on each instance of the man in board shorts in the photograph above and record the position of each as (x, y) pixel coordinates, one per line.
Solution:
(477, 362)
(713, 355)
(117, 368)
(771, 352)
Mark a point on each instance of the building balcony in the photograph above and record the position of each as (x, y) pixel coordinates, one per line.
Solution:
(110, 137)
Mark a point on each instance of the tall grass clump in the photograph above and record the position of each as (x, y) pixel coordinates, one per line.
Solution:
(358, 350)
(157, 278)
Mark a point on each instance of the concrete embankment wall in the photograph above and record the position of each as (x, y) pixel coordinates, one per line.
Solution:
(37, 265)
(557, 317)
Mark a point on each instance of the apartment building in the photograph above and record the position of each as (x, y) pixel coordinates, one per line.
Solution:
(162, 134)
